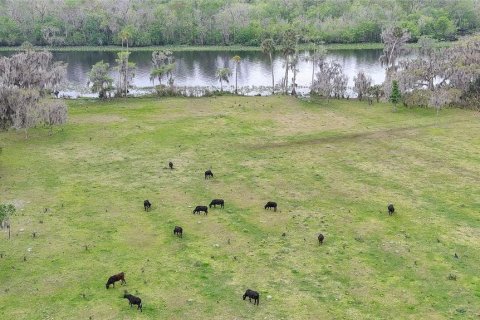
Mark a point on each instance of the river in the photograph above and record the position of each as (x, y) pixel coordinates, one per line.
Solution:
(197, 69)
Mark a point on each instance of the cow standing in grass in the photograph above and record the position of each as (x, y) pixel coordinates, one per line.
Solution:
(270, 205)
(391, 209)
(147, 205)
(170, 164)
(115, 278)
(216, 202)
(320, 238)
(178, 231)
(132, 300)
(199, 209)
(208, 174)
(250, 294)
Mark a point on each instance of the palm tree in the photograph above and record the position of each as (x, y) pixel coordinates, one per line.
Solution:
(163, 65)
(317, 58)
(126, 34)
(237, 60)
(222, 75)
(268, 47)
(157, 73)
(289, 43)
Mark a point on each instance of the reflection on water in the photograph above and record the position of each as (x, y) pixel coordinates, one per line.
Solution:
(197, 69)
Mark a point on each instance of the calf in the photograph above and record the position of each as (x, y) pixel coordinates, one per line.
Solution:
(216, 202)
(391, 209)
(132, 300)
(208, 174)
(320, 238)
(115, 278)
(147, 205)
(199, 209)
(250, 294)
(170, 164)
(271, 204)
(178, 231)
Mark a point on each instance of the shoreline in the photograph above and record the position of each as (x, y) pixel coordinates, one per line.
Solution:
(330, 47)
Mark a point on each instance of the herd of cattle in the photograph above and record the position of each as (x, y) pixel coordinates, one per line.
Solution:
(178, 231)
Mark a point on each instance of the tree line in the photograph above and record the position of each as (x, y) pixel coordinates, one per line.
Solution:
(228, 22)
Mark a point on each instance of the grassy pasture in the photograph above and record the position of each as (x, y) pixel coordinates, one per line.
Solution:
(332, 167)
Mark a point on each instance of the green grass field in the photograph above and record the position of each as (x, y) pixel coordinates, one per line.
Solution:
(332, 167)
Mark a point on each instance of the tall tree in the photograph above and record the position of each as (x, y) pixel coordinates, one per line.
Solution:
(394, 41)
(163, 65)
(25, 78)
(125, 35)
(331, 81)
(6, 210)
(126, 72)
(100, 80)
(223, 74)
(268, 47)
(289, 41)
(236, 59)
(395, 96)
(362, 83)
(317, 57)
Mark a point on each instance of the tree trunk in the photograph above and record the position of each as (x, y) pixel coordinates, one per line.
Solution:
(313, 70)
(236, 77)
(126, 73)
(294, 91)
(273, 76)
(286, 75)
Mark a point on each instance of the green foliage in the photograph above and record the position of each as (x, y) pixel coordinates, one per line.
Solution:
(220, 22)
(395, 96)
(223, 74)
(417, 98)
(10, 32)
(6, 210)
(100, 80)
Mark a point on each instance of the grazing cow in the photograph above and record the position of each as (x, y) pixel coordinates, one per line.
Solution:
(252, 295)
(115, 278)
(170, 164)
(208, 174)
(199, 209)
(132, 300)
(178, 231)
(271, 204)
(391, 209)
(216, 202)
(320, 238)
(147, 205)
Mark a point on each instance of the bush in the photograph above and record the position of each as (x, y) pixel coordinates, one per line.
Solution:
(417, 98)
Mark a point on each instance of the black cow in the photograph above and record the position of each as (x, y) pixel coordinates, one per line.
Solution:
(170, 164)
(115, 278)
(132, 300)
(147, 205)
(216, 202)
(271, 204)
(199, 209)
(250, 294)
(320, 238)
(178, 231)
(208, 174)
(391, 209)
